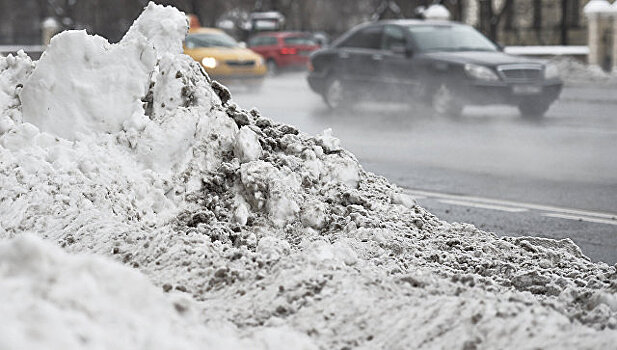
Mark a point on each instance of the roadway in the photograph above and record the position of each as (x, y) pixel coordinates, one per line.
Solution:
(555, 178)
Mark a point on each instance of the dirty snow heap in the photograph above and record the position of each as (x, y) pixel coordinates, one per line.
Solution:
(141, 208)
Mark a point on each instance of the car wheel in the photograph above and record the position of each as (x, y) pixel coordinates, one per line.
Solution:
(336, 95)
(446, 103)
(533, 109)
(273, 68)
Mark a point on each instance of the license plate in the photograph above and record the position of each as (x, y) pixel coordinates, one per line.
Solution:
(526, 90)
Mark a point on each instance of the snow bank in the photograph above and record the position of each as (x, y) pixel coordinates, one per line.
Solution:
(269, 237)
(573, 71)
(51, 300)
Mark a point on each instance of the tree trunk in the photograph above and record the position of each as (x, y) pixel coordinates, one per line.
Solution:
(564, 21)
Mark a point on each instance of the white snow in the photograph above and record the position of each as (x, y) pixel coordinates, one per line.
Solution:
(548, 50)
(52, 300)
(13, 72)
(437, 12)
(597, 7)
(235, 231)
(82, 84)
(163, 27)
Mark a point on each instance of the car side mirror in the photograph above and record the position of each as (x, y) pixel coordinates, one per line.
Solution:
(500, 47)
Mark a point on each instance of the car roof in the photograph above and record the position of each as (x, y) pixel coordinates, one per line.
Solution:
(204, 30)
(284, 34)
(408, 22)
(399, 22)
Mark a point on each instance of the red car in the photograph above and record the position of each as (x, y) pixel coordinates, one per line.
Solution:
(284, 49)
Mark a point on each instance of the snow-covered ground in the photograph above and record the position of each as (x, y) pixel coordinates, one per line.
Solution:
(140, 208)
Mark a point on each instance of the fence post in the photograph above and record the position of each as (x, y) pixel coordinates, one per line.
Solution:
(614, 51)
(49, 27)
(594, 11)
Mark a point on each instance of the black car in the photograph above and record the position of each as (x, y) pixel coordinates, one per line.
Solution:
(446, 64)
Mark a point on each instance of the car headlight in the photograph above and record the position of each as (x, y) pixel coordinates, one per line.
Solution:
(551, 72)
(209, 62)
(260, 61)
(480, 72)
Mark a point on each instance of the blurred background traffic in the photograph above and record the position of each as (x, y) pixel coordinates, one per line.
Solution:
(510, 22)
(554, 176)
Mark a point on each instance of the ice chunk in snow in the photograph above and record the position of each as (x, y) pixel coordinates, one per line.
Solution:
(271, 189)
(328, 141)
(247, 147)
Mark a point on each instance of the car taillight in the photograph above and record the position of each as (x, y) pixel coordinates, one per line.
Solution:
(288, 51)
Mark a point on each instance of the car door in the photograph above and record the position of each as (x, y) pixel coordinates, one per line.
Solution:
(271, 47)
(397, 69)
(358, 57)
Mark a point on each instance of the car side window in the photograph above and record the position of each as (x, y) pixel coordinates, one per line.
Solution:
(256, 42)
(393, 36)
(190, 43)
(367, 38)
(270, 40)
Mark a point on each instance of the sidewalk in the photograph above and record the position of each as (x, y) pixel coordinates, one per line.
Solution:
(590, 92)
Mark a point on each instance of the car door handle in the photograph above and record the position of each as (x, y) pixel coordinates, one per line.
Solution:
(343, 55)
(377, 57)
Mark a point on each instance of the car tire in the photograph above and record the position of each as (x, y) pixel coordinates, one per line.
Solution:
(273, 68)
(336, 95)
(445, 102)
(533, 109)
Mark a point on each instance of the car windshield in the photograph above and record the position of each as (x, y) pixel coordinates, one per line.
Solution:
(210, 40)
(449, 38)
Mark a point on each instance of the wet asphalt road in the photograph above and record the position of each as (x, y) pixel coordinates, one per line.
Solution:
(555, 178)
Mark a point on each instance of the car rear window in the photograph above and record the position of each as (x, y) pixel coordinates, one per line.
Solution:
(263, 41)
(299, 40)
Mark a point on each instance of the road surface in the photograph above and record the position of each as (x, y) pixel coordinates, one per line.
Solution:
(556, 178)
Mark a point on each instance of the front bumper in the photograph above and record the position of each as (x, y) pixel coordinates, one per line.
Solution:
(227, 73)
(317, 81)
(500, 92)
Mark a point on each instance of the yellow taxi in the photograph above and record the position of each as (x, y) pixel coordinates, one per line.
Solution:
(223, 58)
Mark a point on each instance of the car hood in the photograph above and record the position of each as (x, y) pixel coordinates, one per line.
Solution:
(479, 57)
(223, 53)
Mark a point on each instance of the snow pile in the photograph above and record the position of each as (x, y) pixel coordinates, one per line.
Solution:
(275, 236)
(573, 71)
(51, 300)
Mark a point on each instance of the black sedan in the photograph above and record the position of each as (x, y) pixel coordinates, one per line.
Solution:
(446, 64)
